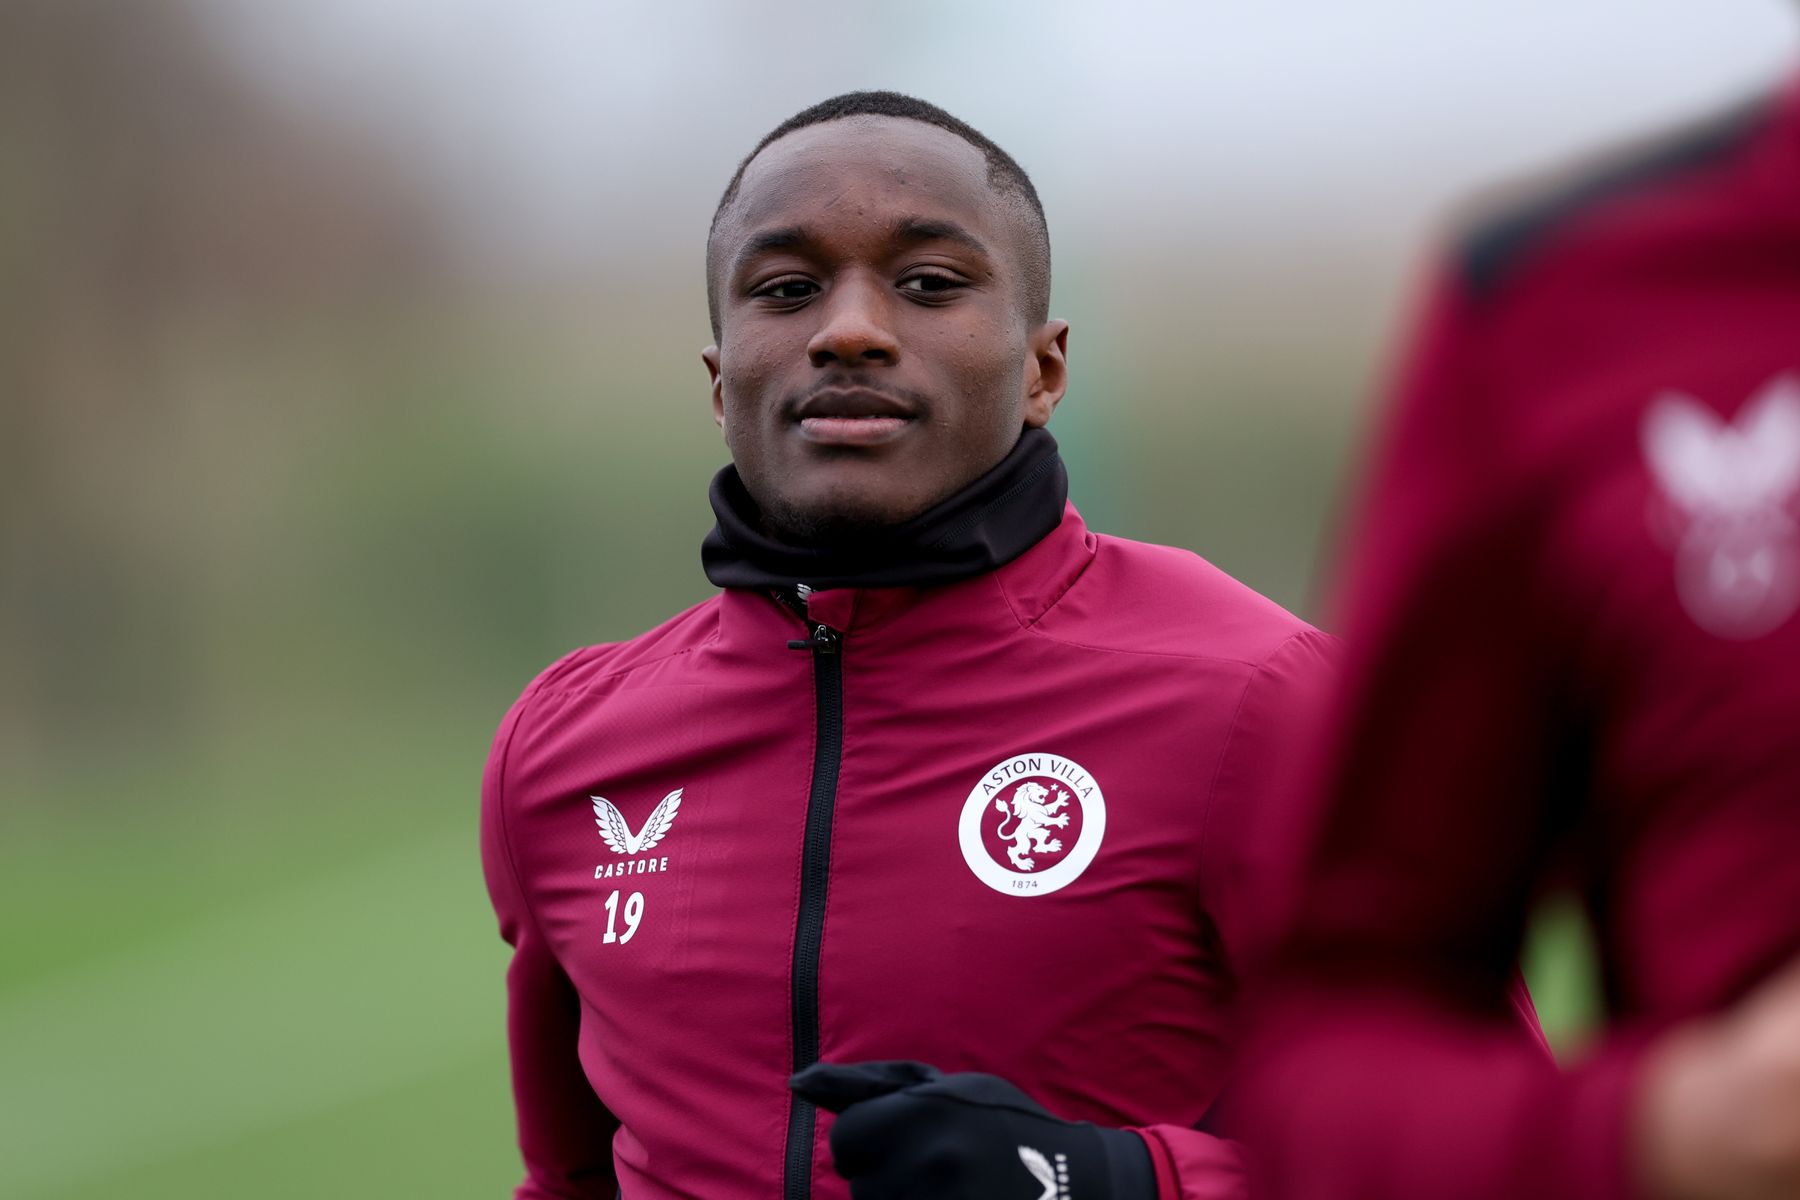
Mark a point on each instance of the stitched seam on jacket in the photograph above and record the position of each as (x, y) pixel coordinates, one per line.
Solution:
(1000, 583)
(711, 638)
(512, 863)
(1031, 626)
(1212, 789)
(1253, 664)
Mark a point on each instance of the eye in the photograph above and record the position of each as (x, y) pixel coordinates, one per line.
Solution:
(930, 283)
(788, 288)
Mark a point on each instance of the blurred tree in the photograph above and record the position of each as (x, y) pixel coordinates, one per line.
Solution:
(156, 215)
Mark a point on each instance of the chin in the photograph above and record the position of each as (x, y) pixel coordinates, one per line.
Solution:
(841, 516)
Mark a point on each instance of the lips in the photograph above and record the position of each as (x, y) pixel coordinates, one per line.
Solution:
(853, 417)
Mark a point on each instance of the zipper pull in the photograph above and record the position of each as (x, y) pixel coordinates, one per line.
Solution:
(823, 640)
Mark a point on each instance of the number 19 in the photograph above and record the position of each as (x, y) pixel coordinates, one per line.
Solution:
(634, 912)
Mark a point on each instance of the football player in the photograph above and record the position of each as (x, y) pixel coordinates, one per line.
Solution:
(1574, 662)
(944, 805)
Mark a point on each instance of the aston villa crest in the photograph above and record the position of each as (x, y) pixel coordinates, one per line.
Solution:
(1032, 824)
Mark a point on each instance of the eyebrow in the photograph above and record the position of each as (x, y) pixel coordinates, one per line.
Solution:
(923, 229)
(906, 229)
(784, 238)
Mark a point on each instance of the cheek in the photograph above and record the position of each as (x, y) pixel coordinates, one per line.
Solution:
(985, 359)
(746, 371)
(965, 339)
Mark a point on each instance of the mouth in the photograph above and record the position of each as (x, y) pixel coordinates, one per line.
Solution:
(853, 417)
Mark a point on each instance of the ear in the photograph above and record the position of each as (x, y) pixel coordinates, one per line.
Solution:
(710, 356)
(1046, 372)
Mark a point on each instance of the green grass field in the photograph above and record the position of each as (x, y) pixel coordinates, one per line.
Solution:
(304, 1000)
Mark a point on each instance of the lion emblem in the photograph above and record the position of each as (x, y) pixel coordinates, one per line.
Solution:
(1031, 819)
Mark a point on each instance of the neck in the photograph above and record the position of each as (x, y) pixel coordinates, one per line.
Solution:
(985, 525)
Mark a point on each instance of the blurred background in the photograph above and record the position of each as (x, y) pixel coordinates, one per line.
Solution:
(349, 374)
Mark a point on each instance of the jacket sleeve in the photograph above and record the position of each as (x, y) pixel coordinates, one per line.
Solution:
(1257, 810)
(1251, 813)
(1386, 1060)
(565, 1133)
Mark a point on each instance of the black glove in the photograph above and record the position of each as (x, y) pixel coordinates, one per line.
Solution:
(907, 1131)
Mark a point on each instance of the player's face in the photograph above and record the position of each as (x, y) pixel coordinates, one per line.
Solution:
(874, 355)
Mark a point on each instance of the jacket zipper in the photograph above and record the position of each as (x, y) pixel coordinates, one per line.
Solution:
(815, 864)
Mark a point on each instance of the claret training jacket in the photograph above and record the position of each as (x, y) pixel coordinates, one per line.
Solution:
(1574, 606)
(980, 798)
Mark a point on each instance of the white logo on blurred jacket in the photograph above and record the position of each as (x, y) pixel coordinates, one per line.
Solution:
(1737, 564)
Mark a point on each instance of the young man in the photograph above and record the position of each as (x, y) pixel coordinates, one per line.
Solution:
(942, 804)
(1575, 659)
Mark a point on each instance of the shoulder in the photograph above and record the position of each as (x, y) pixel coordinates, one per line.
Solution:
(1142, 598)
(528, 730)
(593, 667)
(1515, 225)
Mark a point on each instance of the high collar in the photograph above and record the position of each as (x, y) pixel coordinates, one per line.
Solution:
(1014, 596)
(984, 526)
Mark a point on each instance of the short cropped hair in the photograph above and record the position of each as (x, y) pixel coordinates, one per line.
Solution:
(1004, 174)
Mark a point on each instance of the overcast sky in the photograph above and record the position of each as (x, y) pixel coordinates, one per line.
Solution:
(575, 127)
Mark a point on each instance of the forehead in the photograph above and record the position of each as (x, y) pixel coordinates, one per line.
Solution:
(864, 169)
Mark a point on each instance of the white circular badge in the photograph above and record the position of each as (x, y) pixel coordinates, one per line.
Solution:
(1032, 824)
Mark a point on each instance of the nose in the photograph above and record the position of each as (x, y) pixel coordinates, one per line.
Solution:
(856, 330)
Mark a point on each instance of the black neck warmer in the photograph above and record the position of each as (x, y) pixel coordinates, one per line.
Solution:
(985, 525)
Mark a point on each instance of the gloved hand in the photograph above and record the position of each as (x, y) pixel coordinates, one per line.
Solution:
(907, 1131)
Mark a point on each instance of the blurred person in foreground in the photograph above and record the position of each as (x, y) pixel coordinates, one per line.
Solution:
(1574, 661)
(942, 806)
